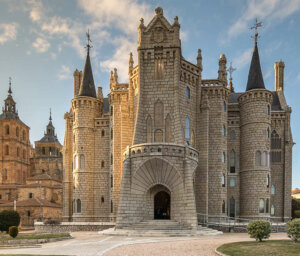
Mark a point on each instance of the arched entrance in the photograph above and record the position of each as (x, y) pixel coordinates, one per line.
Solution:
(162, 206)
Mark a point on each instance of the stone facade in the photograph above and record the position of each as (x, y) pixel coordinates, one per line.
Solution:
(170, 144)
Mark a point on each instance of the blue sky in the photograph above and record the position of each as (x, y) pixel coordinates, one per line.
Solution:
(42, 43)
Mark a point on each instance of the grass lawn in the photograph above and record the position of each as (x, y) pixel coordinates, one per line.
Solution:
(4, 236)
(270, 247)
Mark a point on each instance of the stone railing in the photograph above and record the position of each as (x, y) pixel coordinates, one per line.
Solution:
(160, 149)
(212, 82)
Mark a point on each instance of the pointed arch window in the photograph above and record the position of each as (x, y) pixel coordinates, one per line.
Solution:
(275, 147)
(78, 206)
(261, 206)
(232, 161)
(187, 127)
(258, 158)
(187, 92)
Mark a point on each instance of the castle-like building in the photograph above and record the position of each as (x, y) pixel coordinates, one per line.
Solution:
(169, 144)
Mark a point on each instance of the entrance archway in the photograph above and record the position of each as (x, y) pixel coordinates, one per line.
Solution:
(162, 206)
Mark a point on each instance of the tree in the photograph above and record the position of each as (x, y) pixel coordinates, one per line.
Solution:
(9, 218)
(259, 230)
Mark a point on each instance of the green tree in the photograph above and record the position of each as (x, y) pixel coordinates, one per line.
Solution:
(9, 218)
(259, 230)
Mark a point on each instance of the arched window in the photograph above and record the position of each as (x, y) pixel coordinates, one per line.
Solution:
(268, 133)
(232, 161)
(267, 205)
(223, 180)
(7, 130)
(111, 181)
(23, 135)
(265, 159)
(223, 130)
(75, 162)
(111, 111)
(149, 129)
(224, 106)
(102, 199)
(232, 134)
(111, 159)
(187, 128)
(18, 152)
(111, 206)
(102, 133)
(272, 210)
(223, 206)
(223, 157)
(258, 158)
(111, 133)
(82, 162)
(273, 189)
(30, 195)
(78, 206)
(261, 206)
(6, 150)
(268, 110)
(28, 213)
(158, 135)
(102, 163)
(187, 92)
(17, 132)
(275, 147)
(268, 180)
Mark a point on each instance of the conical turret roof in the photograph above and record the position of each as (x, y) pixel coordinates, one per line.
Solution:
(87, 87)
(255, 78)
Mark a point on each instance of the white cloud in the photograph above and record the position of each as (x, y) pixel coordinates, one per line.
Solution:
(8, 32)
(269, 11)
(65, 73)
(41, 45)
(243, 59)
(36, 10)
(53, 55)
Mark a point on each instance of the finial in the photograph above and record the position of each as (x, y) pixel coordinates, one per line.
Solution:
(88, 45)
(130, 61)
(50, 118)
(256, 26)
(115, 75)
(159, 11)
(9, 82)
(230, 71)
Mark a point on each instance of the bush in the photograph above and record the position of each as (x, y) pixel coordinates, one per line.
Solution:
(293, 229)
(9, 218)
(51, 222)
(259, 230)
(297, 213)
(295, 207)
(13, 231)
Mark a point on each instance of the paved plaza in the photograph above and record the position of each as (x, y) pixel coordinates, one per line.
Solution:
(92, 243)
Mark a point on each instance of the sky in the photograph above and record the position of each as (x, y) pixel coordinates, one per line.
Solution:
(42, 43)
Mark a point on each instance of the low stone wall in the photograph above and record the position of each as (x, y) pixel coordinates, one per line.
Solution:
(31, 241)
(242, 228)
(66, 227)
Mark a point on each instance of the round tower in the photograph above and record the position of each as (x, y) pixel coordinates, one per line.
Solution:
(85, 107)
(255, 125)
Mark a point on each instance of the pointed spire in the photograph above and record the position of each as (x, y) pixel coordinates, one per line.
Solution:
(230, 70)
(87, 87)
(199, 60)
(130, 62)
(255, 78)
(50, 117)
(9, 90)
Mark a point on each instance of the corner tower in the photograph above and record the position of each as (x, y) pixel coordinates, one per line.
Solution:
(255, 125)
(85, 108)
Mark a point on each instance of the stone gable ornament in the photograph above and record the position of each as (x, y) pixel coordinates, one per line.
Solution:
(158, 35)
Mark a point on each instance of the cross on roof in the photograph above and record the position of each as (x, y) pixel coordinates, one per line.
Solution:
(88, 46)
(231, 70)
(256, 26)
(9, 82)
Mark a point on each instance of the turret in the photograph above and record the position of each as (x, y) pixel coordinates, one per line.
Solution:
(255, 125)
(222, 73)
(199, 60)
(279, 75)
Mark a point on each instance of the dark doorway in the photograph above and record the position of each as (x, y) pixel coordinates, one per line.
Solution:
(232, 208)
(162, 206)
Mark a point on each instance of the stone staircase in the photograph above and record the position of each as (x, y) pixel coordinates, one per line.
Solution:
(160, 228)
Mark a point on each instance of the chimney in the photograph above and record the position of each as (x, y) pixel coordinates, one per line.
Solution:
(279, 75)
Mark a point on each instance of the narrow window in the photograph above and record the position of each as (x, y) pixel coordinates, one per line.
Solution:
(43, 151)
(232, 182)
(111, 133)
(268, 110)
(232, 161)
(5, 174)
(273, 189)
(102, 199)
(223, 130)
(168, 128)
(267, 205)
(232, 134)
(223, 157)
(268, 180)
(82, 162)
(272, 210)
(268, 133)
(224, 106)
(265, 159)
(7, 130)
(28, 213)
(0, 196)
(17, 132)
(223, 180)
(6, 150)
(78, 206)
(111, 181)
(75, 162)
(23, 135)
(30, 195)
(111, 159)
(111, 111)
(187, 127)
(258, 158)
(111, 206)
(149, 129)
(261, 206)
(187, 92)
(102, 133)
(102, 163)
(223, 206)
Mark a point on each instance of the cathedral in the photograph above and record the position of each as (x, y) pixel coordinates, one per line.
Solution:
(170, 144)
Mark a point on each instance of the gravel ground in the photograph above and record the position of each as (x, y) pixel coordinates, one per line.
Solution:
(205, 246)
